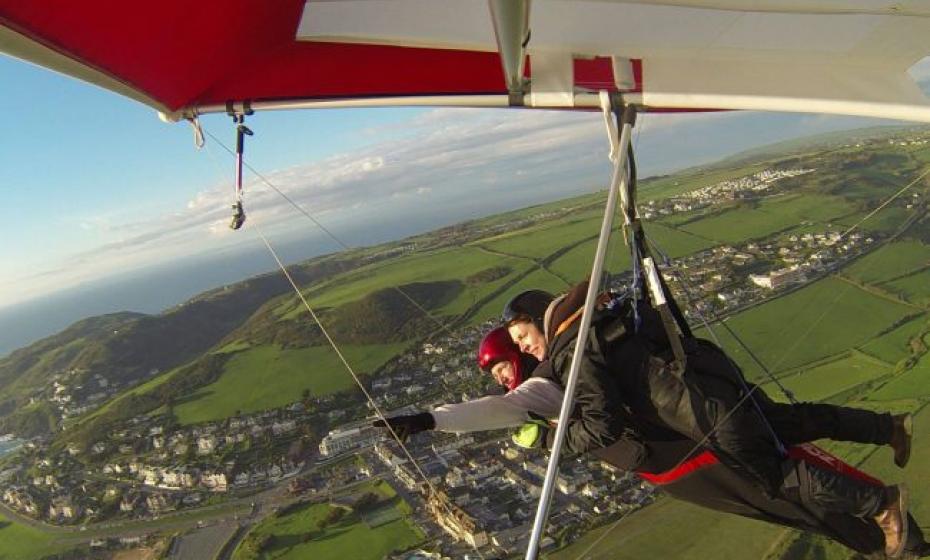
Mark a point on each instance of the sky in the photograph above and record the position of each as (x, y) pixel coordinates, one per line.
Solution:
(95, 185)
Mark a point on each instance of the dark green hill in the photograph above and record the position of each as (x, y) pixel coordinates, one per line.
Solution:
(124, 348)
(389, 315)
(30, 367)
(381, 317)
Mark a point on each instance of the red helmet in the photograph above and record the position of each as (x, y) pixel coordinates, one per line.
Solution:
(497, 346)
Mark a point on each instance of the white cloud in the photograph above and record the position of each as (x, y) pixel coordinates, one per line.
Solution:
(447, 154)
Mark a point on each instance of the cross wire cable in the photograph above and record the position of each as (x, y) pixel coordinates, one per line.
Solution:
(716, 319)
(326, 230)
(332, 342)
(886, 203)
(342, 358)
(827, 309)
(378, 412)
(753, 389)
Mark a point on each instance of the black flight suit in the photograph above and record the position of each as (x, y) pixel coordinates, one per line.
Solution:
(625, 390)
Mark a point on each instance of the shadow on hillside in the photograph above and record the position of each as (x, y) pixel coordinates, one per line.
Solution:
(191, 397)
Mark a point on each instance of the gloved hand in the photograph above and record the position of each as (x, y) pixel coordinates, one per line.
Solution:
(406, 426)
(533, 434)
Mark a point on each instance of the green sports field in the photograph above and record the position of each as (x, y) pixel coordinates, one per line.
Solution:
(299, 535)
(18, 542)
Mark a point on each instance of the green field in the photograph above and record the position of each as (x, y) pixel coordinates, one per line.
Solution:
(915, 288)
(822, 319)
(538, 279)
(826, 380)
(576, 263)
(19, 542)
(909, 384)
(277, 377)
(888, 220)
(447, 264)
(769, 216)
(543, 240)
(298, 534)
(674, 529)
(891, 261)
(893, 346)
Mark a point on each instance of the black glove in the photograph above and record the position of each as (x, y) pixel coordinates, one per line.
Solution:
(406, 426)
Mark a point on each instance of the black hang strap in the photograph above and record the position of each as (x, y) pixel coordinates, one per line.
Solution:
(660, 297)
(647, 272)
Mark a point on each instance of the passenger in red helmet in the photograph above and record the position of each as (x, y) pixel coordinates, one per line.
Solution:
(499, 356)
(527, 397)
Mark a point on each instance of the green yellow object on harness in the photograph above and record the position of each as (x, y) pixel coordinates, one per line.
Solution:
(532, 434)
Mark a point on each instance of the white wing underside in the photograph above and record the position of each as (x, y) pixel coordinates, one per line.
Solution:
(820, 56)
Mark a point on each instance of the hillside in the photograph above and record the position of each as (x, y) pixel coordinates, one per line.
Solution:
(100, 356)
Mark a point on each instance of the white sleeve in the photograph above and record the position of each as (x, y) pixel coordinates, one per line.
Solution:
(537, 395)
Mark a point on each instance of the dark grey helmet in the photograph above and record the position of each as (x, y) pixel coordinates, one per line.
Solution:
(530, 305)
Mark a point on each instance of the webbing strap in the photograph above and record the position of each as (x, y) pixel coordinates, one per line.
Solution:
(668, 321)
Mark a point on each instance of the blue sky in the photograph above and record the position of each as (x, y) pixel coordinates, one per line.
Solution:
(95, 184)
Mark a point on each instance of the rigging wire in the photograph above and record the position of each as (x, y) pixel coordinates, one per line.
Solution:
(886, 203)
(378, 412)
(691, 301)
(374, 405)
(327, 231)
(755, 387)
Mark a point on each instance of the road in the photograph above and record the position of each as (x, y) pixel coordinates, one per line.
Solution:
(204, 542)
(180, 521)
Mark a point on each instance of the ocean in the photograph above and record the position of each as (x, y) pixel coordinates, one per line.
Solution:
(157, 288)
(9, 446)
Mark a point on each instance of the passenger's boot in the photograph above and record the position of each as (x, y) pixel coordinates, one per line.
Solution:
(892, 520)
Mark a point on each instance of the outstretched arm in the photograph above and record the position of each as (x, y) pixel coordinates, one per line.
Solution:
(537, 395)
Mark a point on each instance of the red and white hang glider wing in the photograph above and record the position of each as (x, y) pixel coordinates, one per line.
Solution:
(185, 57)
